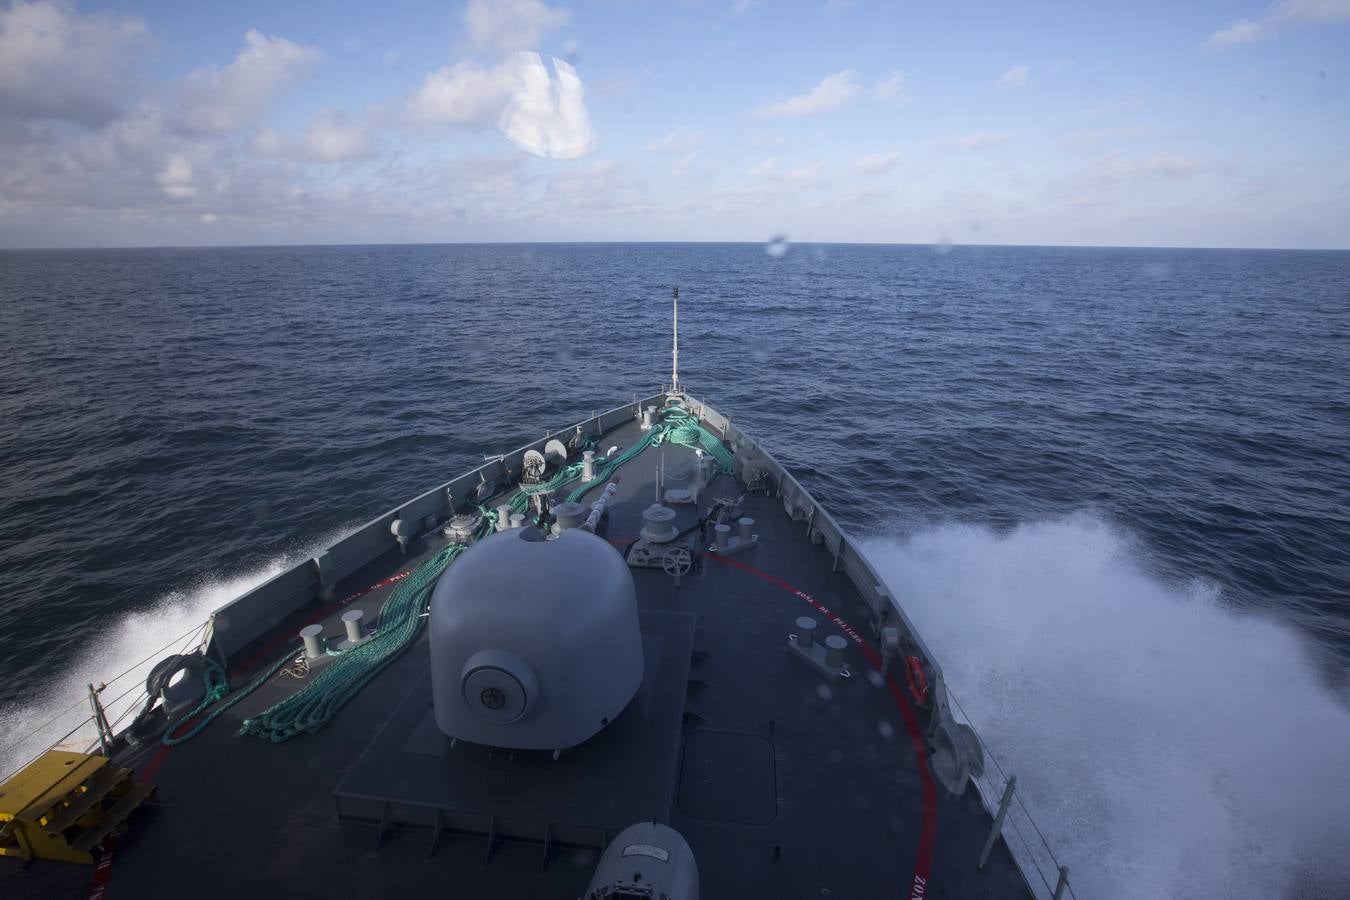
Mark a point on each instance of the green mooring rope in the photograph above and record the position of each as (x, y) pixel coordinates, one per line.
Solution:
(677, 427)
(213, 676)
(685, 429)
(314, 705)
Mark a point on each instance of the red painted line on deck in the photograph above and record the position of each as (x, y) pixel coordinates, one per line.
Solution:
(102, 870)
(923, 863)
(155, 762)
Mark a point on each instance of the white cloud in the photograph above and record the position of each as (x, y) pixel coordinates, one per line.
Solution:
(806, 175)
(463, 94)
(833, 91)
(876, 163)
(1243, 31)
(487, 175)
(1279, 16)
(268, 143)
(540, 113)
(595, 196)
(979, 139)
(1116, 104)
(507, 25)
(586, 180)
(764, 168)
(802, 177)
(219, 100)
(1115, 167)
(1015, 77)
(893, 87)
(176, 178)
(135, 141)
(680, 141)
(332, 137)
(1113, 133)
(547, 116)
(684, 165)
(56, 63)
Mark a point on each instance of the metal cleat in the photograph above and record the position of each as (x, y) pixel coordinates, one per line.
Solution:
(828, 660)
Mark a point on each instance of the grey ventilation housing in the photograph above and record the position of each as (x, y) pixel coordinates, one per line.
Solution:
(534, 644)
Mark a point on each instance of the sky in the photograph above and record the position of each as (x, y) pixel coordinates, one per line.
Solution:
(1142, 123)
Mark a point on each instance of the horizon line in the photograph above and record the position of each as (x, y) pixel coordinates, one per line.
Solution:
(943, 245)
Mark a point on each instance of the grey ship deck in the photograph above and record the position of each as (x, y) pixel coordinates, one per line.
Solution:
(784, 784)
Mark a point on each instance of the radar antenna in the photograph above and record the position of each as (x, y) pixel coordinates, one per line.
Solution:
(675, 346)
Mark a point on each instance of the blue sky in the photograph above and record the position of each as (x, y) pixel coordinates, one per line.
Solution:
(1224, 124)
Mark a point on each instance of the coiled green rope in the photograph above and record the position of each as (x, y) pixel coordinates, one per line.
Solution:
(685, 429)
(314, 705)
(213, 676)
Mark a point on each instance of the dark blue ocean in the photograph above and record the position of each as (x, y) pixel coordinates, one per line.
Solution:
(1111, 485)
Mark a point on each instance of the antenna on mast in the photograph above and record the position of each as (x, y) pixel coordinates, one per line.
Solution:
(675, 346)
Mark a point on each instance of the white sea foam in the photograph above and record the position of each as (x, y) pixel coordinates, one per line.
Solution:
(1166, 745)
(120, 651)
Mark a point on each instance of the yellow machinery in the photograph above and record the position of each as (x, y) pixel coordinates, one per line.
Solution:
(62, 805)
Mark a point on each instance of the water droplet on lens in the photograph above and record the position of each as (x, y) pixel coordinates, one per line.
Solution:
(777, 245)
(875, 678)
(823, 691)
(886, 728)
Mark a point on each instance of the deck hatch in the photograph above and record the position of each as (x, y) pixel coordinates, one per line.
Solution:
(729, 776)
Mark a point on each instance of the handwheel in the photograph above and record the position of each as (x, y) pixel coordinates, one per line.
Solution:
(677, 561)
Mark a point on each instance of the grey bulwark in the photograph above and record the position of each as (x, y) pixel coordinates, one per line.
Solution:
(783, 783)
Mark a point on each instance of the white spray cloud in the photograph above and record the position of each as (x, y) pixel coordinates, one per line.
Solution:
(1167, 746)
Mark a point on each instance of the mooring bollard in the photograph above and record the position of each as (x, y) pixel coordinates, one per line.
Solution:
(312, 635)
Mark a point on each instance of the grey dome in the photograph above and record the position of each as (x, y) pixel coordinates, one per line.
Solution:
(534, 644)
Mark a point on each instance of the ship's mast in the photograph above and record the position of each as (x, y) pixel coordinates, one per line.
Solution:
(675, 346)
